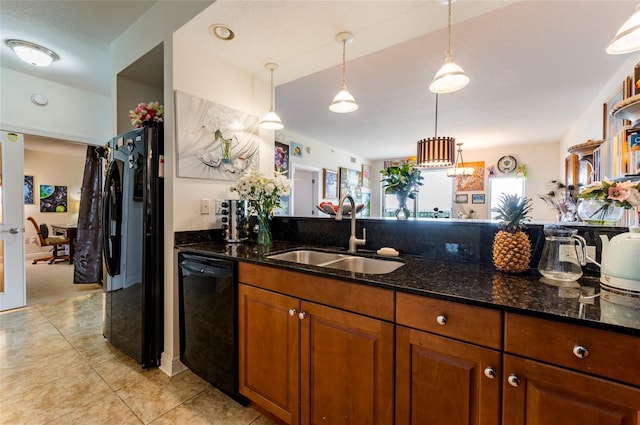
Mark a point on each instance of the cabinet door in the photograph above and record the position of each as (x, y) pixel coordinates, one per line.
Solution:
(440, 381)
(346, 367)
(269, 351)
(539, 394)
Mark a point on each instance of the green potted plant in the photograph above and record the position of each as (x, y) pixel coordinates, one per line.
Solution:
(404, 182)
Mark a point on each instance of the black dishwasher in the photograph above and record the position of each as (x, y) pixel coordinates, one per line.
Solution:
(208, 294)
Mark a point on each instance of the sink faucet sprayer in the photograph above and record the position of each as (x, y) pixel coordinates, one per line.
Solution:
(353, 240)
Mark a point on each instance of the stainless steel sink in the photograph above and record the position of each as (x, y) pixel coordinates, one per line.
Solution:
(313, 258)
(339, 261)
(365, 265)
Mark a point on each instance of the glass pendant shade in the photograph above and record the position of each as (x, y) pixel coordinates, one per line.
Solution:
(32, 54)
(343, 102)
(271, 120)
(449, 78)
(627, 38)
(436, 152)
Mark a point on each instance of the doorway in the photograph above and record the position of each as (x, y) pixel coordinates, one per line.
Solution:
(305, 194)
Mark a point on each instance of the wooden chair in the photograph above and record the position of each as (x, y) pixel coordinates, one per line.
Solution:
(55, 242)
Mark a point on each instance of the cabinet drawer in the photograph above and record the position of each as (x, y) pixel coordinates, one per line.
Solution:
(608, 354)
(478, 325)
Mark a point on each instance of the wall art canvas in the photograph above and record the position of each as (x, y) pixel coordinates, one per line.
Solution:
(474, 182)
(330, 184)
(53, 198)
(281, 165)
(366, 176)
(351, 183)
(296, 149)
(214, 141)
(28, 190)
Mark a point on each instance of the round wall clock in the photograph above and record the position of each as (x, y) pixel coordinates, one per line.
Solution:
(507, 164)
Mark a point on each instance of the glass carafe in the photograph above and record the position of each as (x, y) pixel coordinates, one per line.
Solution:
(563, 255)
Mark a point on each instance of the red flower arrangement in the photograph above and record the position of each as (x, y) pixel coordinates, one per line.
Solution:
(145, 112)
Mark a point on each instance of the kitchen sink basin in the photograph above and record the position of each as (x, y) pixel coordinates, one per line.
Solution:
(365, 265)
(313, 258)
(345, 262)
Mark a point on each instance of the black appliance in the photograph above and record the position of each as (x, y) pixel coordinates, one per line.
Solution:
(133, 248)
(208, 320)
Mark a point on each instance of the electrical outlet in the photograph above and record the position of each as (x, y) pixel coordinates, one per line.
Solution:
(205, 205)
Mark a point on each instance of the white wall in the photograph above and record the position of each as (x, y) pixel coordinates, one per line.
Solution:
(72, 114)
(52, 169)
(130, 93)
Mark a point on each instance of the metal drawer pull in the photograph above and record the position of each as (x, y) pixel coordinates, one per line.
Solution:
(442, 320)
(580, 352)
(489, 372)
(302, 315)
(513, 380)
(292, 312)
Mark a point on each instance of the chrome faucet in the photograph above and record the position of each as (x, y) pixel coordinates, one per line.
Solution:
(353, 240)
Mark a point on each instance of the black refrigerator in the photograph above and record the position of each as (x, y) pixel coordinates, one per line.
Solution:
(133, 248)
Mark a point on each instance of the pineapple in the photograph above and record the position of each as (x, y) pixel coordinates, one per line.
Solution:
(511, 246)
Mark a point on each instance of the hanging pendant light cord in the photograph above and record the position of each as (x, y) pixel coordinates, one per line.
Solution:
(272, 108)
(435, 136)
(344, 72)
(449, 46)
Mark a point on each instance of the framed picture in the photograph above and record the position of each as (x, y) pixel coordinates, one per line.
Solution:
(475, 181)
(611, 127)
(28, 189)
(462, 198)
(329, 184)
(366, 176)
(53, 198)
(351, 183)
(281, 158)
(296, 149)
(477, 198)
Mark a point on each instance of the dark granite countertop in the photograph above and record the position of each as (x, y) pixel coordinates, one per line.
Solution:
(470, 283)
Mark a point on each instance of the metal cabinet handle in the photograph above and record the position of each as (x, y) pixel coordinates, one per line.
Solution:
(292, 312)
(513, 380)
(442, 320)
(302, 315)
(580, 352)
(13, 230)
(489, 372)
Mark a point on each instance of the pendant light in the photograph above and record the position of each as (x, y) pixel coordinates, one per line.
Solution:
(436, 151)
(32, 53)
(627, 38)
(450, 77)
(458, 170)
(271, 120)
(344, 101)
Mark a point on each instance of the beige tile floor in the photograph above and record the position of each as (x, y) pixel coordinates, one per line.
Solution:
(56, 368)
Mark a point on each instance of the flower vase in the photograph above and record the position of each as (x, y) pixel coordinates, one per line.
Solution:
(402, 212)
(264, 230)
(597, 212)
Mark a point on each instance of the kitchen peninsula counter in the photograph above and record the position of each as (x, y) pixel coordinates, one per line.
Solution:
(463, 282)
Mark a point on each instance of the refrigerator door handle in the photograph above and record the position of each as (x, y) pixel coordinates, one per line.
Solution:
(112, 218)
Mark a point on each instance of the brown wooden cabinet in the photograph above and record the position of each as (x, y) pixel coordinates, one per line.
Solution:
(540, 388)
(440, 380)
(309, 363)
(540, 394)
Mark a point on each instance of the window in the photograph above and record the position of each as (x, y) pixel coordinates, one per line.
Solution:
(500, 185)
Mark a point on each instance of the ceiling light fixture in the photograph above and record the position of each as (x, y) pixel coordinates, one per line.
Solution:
(222, 32)
(627, 38)
(32, 53)
(271, 120)
(436, 152)
(459, 170)
(450, 77)
(344, 101)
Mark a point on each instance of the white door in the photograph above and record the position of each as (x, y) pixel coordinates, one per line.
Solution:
(12, 283)
(304, 192)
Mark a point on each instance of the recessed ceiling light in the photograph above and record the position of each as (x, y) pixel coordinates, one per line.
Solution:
(32, 53)
(222, 32)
